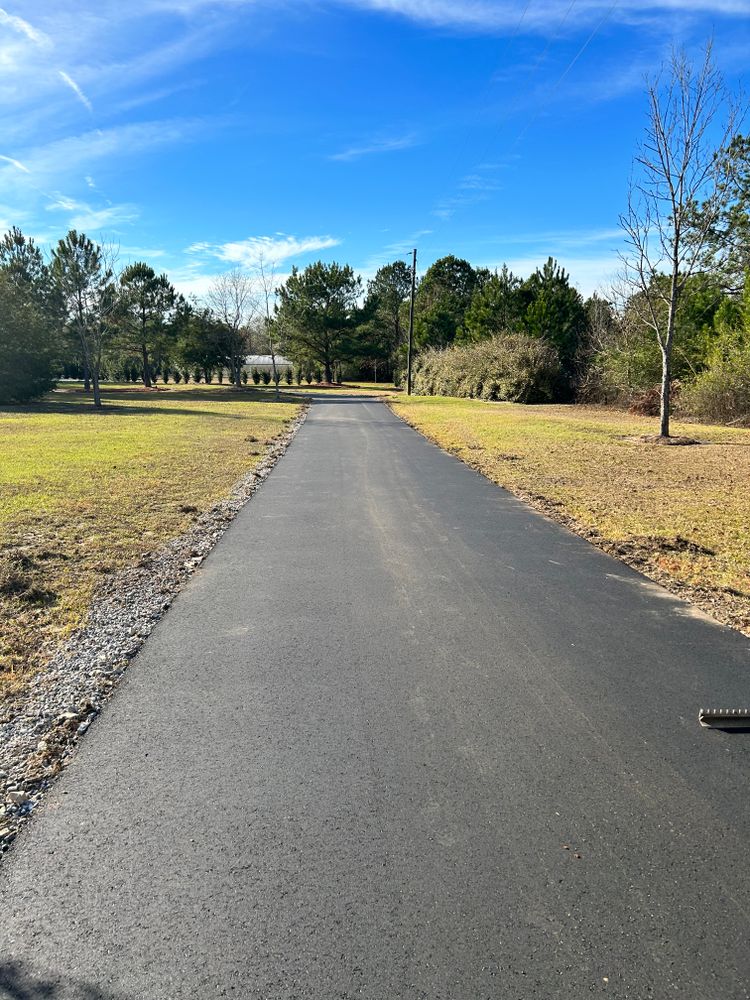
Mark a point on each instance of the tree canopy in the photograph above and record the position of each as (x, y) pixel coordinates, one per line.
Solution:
(317, 314)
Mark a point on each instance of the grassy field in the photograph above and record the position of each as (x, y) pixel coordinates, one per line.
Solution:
(681, 515)
(84, 493)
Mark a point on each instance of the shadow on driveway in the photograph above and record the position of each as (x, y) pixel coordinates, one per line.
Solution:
(18, 983)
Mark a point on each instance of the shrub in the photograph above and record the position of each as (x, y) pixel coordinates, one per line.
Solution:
(288, 376)
(514, 367)
(298, 376)
(244, 377)
(177, 376)
(266, 376)
(255, 374)
(722, 392)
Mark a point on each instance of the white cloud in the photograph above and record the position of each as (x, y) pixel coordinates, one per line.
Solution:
(76, 89)
(245, 253)
(15, 163)
(497, 16)
(561, 239)
(85, 217)
(24, 28)
(375, 146)
(75, 153)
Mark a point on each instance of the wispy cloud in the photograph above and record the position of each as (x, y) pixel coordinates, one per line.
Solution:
(497, 16)
(24, 28)
(75, 154)
(397, 250)
(76, 89)
(87, 217)
(15, 163)
(553, 240)
(276, 248)
(376, 146)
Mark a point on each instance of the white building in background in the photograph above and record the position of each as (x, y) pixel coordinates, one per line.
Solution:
(264, 363)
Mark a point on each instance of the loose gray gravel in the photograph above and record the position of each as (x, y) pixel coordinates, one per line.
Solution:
(40, 728)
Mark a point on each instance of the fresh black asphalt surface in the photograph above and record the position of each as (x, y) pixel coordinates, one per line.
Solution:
(400, 737)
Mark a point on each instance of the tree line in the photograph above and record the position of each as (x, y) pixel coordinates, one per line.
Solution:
(678, 322)
(74, 314)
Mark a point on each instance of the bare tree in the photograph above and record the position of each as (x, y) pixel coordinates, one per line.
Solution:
(233, 301)
(691, 119)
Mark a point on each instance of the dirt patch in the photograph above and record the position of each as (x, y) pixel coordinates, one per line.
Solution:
(674, 440)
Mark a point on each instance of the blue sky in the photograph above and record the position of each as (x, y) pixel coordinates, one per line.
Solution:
(193, 133)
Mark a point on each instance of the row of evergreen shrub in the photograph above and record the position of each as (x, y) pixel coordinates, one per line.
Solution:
(513, 367)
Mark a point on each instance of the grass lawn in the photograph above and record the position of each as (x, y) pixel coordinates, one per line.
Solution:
(681, 515)
(84, 493)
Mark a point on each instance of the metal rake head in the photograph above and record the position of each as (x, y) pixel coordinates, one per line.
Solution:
(724, 718)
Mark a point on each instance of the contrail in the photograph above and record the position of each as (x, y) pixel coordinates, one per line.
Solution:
(76, 89)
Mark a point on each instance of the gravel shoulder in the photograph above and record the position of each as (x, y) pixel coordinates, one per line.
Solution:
(40, 725)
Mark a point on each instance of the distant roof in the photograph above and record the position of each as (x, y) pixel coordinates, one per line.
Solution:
(265, 359)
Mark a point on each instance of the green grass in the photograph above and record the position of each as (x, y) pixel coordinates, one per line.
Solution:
(680, 514)
(84, 493)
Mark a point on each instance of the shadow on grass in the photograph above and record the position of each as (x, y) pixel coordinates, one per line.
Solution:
(18, 983)
(72, 401)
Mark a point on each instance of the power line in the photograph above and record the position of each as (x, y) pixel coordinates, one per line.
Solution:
(565, 72)
(506, 49)
(534, 70)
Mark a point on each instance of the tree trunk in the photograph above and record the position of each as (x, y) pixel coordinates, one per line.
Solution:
(146, 370)
(86, 375)
(665, 392)
(666, 356)
(97, 395)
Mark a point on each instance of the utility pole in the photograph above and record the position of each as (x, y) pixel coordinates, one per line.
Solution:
(411, 321)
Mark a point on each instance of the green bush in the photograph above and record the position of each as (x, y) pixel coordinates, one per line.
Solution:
(514, 367)
(244, 377)
(721, 394)
(255, 374)
(298, 376)
(266, 376)
(288, 376)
